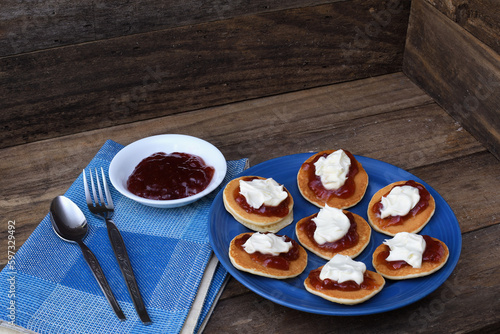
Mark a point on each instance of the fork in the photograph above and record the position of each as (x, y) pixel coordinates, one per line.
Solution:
(104, 209)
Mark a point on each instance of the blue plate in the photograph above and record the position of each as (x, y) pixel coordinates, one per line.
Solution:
(291, 292)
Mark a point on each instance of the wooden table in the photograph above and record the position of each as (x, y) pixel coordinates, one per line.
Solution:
(386, 118)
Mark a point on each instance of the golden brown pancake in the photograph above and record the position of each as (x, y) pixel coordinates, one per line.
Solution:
(408, 271)
(360, 181)
(251, 220)
(348, 297)
(241, 260)
(411, 225)
(362, 228)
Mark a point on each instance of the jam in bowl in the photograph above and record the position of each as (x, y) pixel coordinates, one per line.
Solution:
(167, 171)
(170, 176)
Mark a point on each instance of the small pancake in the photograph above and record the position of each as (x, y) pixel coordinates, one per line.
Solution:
(254, 221)
(241, 260)
(360, 181)
(408, 272)
(362, 227)
(411, 225)
(348, 297)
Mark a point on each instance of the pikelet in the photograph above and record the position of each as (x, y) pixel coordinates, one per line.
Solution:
(413, 222)
(346, 196)
(244, 261)
(352, 244)
(436, 251)
(348, 292)
(262, 219)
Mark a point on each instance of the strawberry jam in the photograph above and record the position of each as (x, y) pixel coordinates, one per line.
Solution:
(280, 261)
(434, 252)
(347, 241)
(281, 210)
(422, 204)
(368, 283)
(170, 176)
(317, 187)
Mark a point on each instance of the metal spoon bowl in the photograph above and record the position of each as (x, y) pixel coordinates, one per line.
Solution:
(68, 220)
(70, 224)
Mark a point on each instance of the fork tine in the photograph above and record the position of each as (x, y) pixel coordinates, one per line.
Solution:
(106, 189)
(99, 188)
(96, 200)
(86, 187)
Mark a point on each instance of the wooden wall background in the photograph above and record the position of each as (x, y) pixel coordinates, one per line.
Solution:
(68, 67)
(453, 53)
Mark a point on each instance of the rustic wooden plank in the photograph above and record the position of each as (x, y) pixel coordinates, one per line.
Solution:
(479, 17)
(472, 286)
(360, 116)
(457, 70)
(149, 75)
(36, 25)
(119, 18)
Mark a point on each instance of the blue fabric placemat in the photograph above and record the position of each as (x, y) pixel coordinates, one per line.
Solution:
(53, 290)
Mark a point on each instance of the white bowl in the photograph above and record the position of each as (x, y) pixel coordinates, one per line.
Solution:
(125, 161)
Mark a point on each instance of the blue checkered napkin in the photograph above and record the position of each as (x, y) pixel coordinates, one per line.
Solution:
(55, 291)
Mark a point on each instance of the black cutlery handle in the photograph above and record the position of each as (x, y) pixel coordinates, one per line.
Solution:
(126, 268)
(101, 279)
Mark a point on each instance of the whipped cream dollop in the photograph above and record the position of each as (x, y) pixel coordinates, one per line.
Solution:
(267, 243)
(333, 169)
(342, 268)
(407, 247)
(399, 201)
(331, 225)
(260, 192)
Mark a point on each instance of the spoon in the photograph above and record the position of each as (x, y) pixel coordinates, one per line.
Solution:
(70, 224)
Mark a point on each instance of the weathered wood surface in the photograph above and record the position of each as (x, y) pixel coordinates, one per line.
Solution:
(461, 73)
(387, 118)
(27, 26)
(93, 85)
(479, 17)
